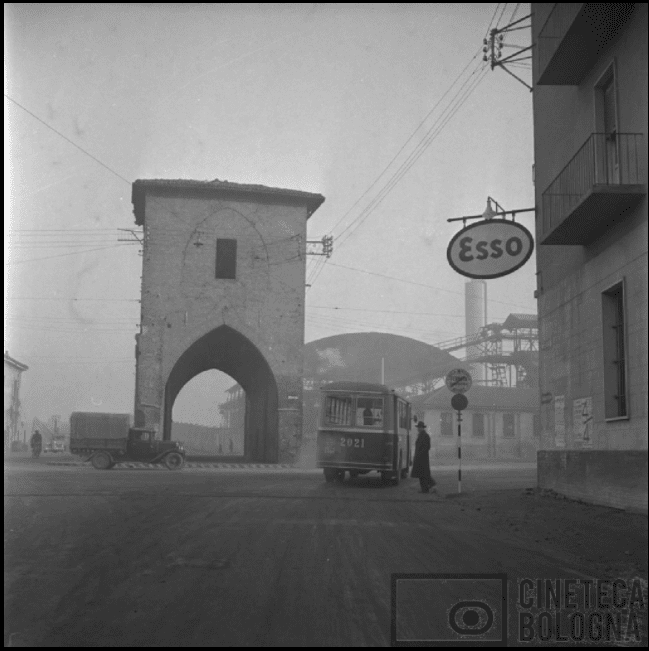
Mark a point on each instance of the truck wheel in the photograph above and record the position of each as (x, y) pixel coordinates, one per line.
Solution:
(353, 474)
(101, 461)
(174, 461)
(329, 474)
(340, 476)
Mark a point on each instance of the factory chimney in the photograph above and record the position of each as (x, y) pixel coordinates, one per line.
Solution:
(475, 314)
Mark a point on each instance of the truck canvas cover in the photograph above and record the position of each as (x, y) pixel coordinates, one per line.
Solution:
(94, 425)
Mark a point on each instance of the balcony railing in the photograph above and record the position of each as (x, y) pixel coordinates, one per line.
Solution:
(573, 36)
(602, 180)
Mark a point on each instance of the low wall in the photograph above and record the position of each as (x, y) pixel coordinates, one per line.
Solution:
(616, 478)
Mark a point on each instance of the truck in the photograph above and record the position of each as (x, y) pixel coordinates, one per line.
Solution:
(108, 439)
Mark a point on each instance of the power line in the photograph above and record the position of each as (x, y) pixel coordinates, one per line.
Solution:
(407, 141)
(74, 144)
(501, 14)
(70, 298)
(362, 309)
(414, 157)
(61, 230)
(413, 282)
(61, 255)
(492, 18)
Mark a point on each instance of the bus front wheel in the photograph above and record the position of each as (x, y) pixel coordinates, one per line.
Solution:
(330, 474)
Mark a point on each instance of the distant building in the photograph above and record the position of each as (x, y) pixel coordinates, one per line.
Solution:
(13, 370)
(590, 149)
(233, 415)
(500, 423)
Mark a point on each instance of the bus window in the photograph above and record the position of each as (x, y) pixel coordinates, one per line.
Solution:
(338, 410)
(369, 412)
(404, 418)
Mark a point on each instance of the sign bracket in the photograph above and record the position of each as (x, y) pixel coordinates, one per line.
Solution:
(502, 213)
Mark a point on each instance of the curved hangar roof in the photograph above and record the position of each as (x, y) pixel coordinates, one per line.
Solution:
(357, 357)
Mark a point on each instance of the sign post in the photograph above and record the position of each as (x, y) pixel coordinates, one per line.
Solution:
(459, 381)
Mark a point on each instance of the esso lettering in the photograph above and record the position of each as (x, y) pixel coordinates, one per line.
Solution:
(485, 249)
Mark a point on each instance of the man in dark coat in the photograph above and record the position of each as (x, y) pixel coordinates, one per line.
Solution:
(36, 443)
(421, 462)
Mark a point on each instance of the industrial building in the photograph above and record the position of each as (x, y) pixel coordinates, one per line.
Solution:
(590, 123)
(500, 423)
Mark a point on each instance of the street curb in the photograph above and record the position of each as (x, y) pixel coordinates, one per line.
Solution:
(190, 464)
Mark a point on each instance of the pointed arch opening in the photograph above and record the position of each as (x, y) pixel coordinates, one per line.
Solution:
(224, 349)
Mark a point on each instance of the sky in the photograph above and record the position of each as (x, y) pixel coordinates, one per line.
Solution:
(387, 110)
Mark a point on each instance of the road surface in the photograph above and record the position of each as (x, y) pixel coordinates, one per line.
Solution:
(273, 557)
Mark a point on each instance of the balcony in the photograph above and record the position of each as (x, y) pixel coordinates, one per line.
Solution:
(573, 37)
(594, 190)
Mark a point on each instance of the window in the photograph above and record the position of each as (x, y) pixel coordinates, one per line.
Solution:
(446, 423)
(509, 427)
(338, 410)
(478, 424)
(369, 412)
(226, 259)
(613, 340)
(404, 418)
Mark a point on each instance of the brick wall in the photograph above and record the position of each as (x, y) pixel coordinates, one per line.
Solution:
(616, 478)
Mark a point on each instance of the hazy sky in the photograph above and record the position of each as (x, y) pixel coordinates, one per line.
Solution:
(314, 97)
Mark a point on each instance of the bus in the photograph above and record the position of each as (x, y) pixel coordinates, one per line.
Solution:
(363, 427)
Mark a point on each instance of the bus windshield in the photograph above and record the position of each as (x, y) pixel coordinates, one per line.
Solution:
(369, 412)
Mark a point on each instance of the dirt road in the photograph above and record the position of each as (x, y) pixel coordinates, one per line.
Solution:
(273, 557)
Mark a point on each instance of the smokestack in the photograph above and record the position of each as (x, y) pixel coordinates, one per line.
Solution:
(475, 314)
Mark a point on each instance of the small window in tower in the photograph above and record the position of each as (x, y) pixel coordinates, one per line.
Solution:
(226, 259)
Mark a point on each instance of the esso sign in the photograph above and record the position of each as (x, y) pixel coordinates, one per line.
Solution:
(490, 249)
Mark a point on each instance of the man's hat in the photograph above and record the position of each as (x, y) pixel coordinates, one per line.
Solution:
(421, 424)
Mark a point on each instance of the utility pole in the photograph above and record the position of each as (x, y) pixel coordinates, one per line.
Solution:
(326, 245)
(492, 49)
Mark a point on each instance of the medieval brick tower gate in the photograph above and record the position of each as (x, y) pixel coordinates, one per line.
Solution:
(223, 282)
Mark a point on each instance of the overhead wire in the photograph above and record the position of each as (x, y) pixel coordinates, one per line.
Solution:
(432, 133)
(414, 157)
(414, 282)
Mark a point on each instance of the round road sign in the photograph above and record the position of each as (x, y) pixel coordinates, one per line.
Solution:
(459, 401)
(458, 380)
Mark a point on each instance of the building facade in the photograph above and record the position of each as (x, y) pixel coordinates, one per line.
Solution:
(590, 134)
(500, 423)
(13, 371)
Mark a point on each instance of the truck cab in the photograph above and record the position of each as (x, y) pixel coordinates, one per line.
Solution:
(142, 445)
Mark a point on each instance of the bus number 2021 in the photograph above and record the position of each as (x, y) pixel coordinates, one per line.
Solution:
(352, 443)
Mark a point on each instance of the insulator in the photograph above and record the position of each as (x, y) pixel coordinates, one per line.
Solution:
(485, 58)
(484, 41)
